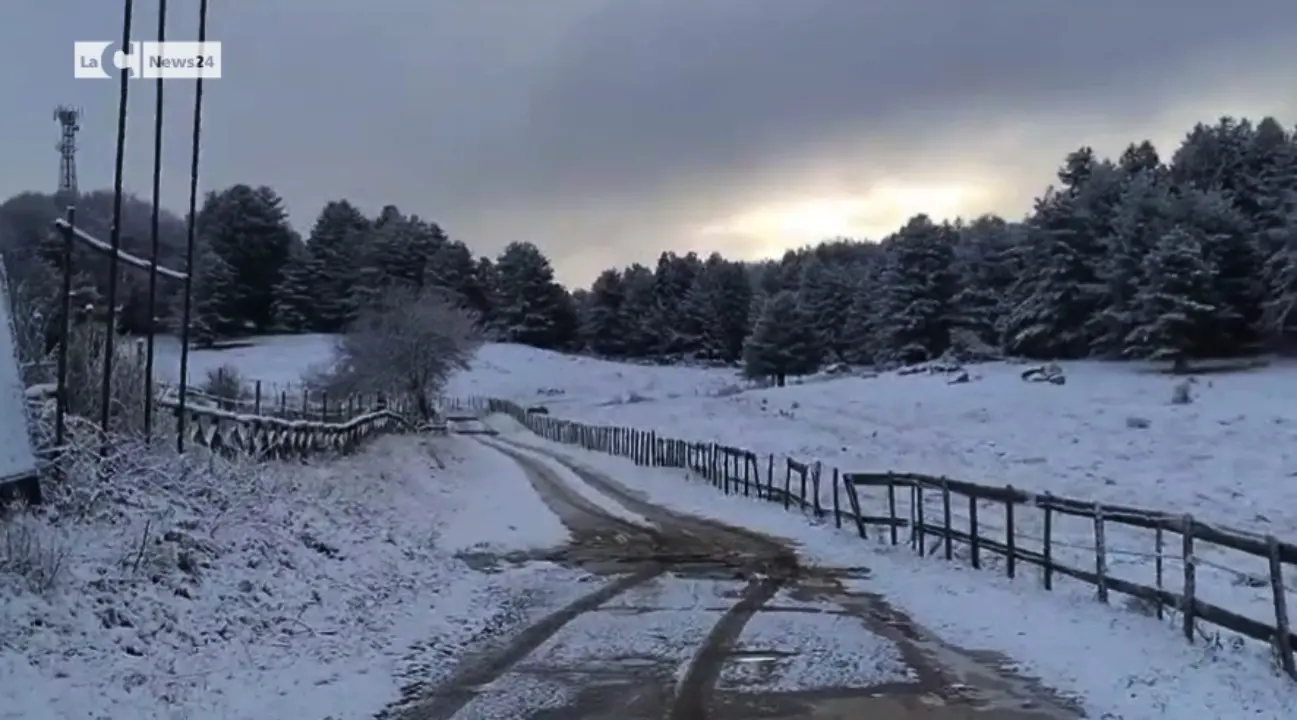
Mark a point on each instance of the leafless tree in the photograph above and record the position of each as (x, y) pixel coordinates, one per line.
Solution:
(406, 344)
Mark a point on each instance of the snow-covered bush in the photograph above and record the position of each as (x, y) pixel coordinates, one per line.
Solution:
(85, 379)
(32, 550)
(226, 385)
(408, 343)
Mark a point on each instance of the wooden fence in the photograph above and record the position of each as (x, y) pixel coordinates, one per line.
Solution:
(797, 485)
(266, 437)
(290, 402)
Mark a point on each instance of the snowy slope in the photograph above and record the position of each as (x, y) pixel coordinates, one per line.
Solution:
(1228, 457)
(527, 375)
(503, 370)
(263, 591)
(278, 360)
(1119, 664)
(1231, 455)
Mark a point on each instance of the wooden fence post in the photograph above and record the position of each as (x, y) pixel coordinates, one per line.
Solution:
(918, 534)
(891, 507)
(1048, 550)
(815, 490)
(1283, 643)
(945, 511)
(788, 483)
(1010, 542)
(324, 406)
(1188, 591)
(837, 507)
(802, 491)
(975, 544)
(256, 398)
(1158, 542)
(1100, 554)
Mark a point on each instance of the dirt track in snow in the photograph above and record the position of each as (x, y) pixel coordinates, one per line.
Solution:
(662, 635)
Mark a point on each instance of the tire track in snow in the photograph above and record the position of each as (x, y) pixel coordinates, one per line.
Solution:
(769, 564)
(590, 524)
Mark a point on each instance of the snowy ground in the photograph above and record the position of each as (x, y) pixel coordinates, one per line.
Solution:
(1064, 637)
(260, 592)
(1230, 457)
(278, 361)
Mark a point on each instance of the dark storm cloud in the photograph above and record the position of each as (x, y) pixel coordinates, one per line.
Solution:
(606, 129)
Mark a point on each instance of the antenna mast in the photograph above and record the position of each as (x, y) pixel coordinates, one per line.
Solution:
(69, 119)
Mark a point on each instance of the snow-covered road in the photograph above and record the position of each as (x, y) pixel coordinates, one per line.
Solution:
(1110, 661)
(690, 619)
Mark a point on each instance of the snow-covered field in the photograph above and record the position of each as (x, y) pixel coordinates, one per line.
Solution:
(204, 590)
(1228, 457)
(1118, 664)
(276, 360)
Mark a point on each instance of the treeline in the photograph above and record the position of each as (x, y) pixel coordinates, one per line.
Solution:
(1128, 257)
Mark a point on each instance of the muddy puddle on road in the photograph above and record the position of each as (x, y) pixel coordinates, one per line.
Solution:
(698, 621)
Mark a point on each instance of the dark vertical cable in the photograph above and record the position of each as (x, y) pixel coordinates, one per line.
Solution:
(153, 233)
(189, 248)
(65, 331)
(115, 239)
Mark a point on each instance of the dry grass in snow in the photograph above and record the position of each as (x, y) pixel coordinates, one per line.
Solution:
(199, 587)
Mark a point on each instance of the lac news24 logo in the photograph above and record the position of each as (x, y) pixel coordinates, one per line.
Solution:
(165, 60)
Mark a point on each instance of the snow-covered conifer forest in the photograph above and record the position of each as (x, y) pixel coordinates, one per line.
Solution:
(1138, 256)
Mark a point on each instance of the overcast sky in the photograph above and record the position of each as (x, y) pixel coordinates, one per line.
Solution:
(608, 130)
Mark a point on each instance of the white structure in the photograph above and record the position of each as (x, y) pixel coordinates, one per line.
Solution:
(17, 458)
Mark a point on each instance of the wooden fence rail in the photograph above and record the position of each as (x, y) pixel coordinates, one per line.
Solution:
(266, 437)
(732, 470)
(298, 403)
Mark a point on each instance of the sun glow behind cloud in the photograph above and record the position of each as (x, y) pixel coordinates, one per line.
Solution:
(769, 229)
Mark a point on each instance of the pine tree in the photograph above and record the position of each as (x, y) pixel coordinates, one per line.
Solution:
(672, 279)
(215, 299)
(1059, 291)
(783, 343)
(858, 330)
(1281, 290)
(248, 227)
(985, 259)
(332, 270)
(602, 325)
(295, 303)
(917, 289)
(1176, 303)
(1144, 214)
(825, 294)
(718, 305)
(534, 309)
(636, 314)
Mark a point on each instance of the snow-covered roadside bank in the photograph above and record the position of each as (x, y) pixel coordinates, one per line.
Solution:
(1118, 663)
(200, 589)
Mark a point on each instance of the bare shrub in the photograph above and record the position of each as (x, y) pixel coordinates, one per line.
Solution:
(32, 550)
(85, 377)
(226, 385)
(406, 344)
